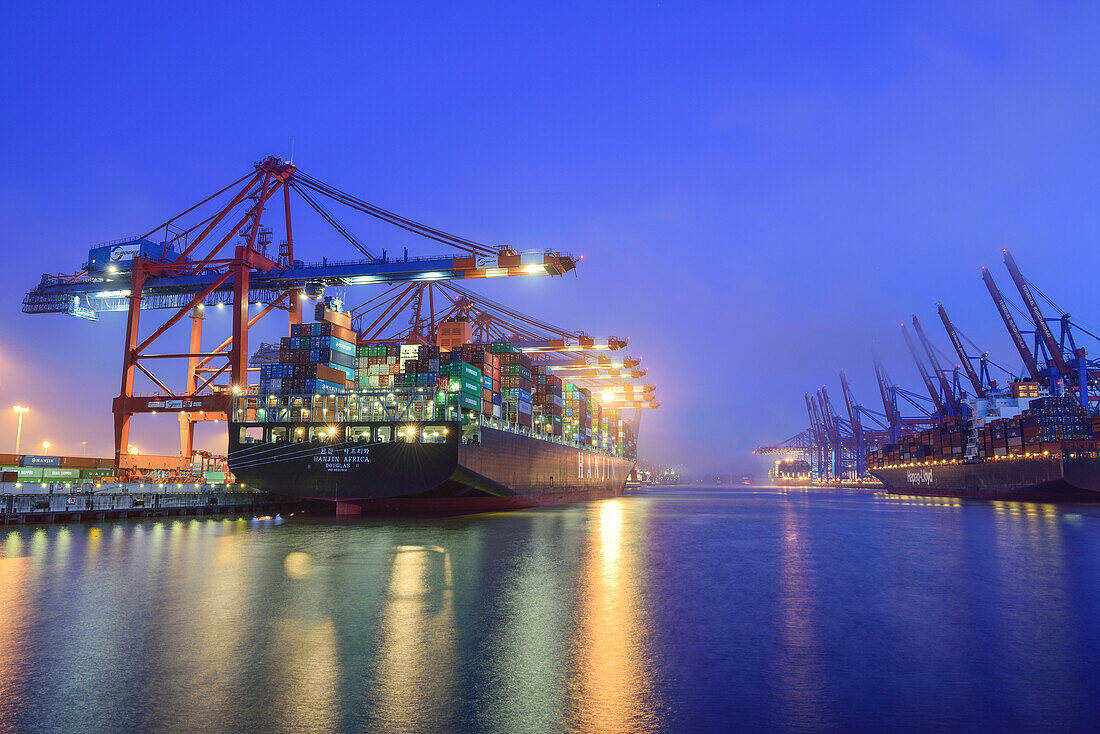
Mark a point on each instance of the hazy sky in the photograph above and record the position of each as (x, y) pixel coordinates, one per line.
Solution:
(759, 189)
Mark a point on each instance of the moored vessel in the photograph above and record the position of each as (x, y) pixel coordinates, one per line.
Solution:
(416, 466)
(1008, 447)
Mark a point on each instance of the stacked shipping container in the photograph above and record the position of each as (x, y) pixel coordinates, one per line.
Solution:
(1050, 425)
(316, 358)
(496, 380)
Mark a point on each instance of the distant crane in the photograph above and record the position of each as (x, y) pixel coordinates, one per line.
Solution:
(932, 391)
(950, 397)
(964, 360)
(1054, 350)
(1010, 323)
(1058, 364)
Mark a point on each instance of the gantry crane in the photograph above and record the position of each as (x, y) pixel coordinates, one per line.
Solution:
(219, 252)
(978, 382)
(950, 395)
(1060, 365)
(922, 370)
(1010, 323)
(1053, 349)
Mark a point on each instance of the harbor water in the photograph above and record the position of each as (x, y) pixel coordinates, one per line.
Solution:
(672, 609)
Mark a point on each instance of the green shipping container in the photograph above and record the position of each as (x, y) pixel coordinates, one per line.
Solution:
(465, 386)
(26, 473)
(215, 477)
(470, 402)
(460, 369)
(518, 370)
(58, 473)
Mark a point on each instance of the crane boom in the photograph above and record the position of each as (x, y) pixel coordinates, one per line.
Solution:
(815, 429)
(884, 391)
(827, 412)
(952, 400)
(923, 372)
(857, 427)
(1036, 315)
(850, 403)
(834, 428)
(1010, 323)
(815, 400)
(963, 358)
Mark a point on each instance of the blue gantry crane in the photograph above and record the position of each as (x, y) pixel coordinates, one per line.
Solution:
(1059, 364)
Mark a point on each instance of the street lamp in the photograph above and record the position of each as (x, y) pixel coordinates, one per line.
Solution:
(46, 447)
(20, 410)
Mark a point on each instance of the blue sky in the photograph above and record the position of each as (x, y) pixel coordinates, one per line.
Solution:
(759, 190)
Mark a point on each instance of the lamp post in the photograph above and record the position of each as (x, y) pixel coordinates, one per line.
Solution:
(20, 410)
(46, 448)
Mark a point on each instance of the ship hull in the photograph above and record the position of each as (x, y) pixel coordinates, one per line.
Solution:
(502, 471)
(1040, 479)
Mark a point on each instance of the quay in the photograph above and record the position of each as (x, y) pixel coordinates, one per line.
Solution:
(25, 503)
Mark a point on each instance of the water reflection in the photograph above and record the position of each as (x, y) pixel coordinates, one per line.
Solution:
(15, 612)
(415, 686)
(529, 664)
(801, 662)
(771, 612)
(309, 677)
(612, 688)
(1031, 562)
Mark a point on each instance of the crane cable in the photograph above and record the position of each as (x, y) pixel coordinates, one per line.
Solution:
(333, 221)
(392, 218)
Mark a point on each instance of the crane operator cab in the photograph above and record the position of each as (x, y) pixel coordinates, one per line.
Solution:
(118, 257)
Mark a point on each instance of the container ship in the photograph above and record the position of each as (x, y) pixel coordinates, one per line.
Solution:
(1012, 447)
(451, 427)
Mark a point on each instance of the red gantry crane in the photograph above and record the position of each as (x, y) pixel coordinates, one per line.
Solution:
(220, 252)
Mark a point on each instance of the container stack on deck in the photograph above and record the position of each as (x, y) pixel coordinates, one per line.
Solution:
(462, 384)
(516, 384)
(548, 399)
(316, 358)
(1053, 426)
(376, 365)
(496, 380)
(578, 423)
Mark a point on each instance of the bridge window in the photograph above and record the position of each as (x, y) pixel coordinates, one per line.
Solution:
(252, 434)
(406, 434)
(434, 434)
(385, 434)
(278, 434)
(359, 434)
(299, 434)
(323, 433)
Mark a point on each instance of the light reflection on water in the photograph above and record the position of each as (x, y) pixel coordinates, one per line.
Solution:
(801, 666)
(611, 689)
(414, 684)
(681, 610)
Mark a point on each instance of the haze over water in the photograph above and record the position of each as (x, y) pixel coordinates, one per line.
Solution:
(672, 610)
